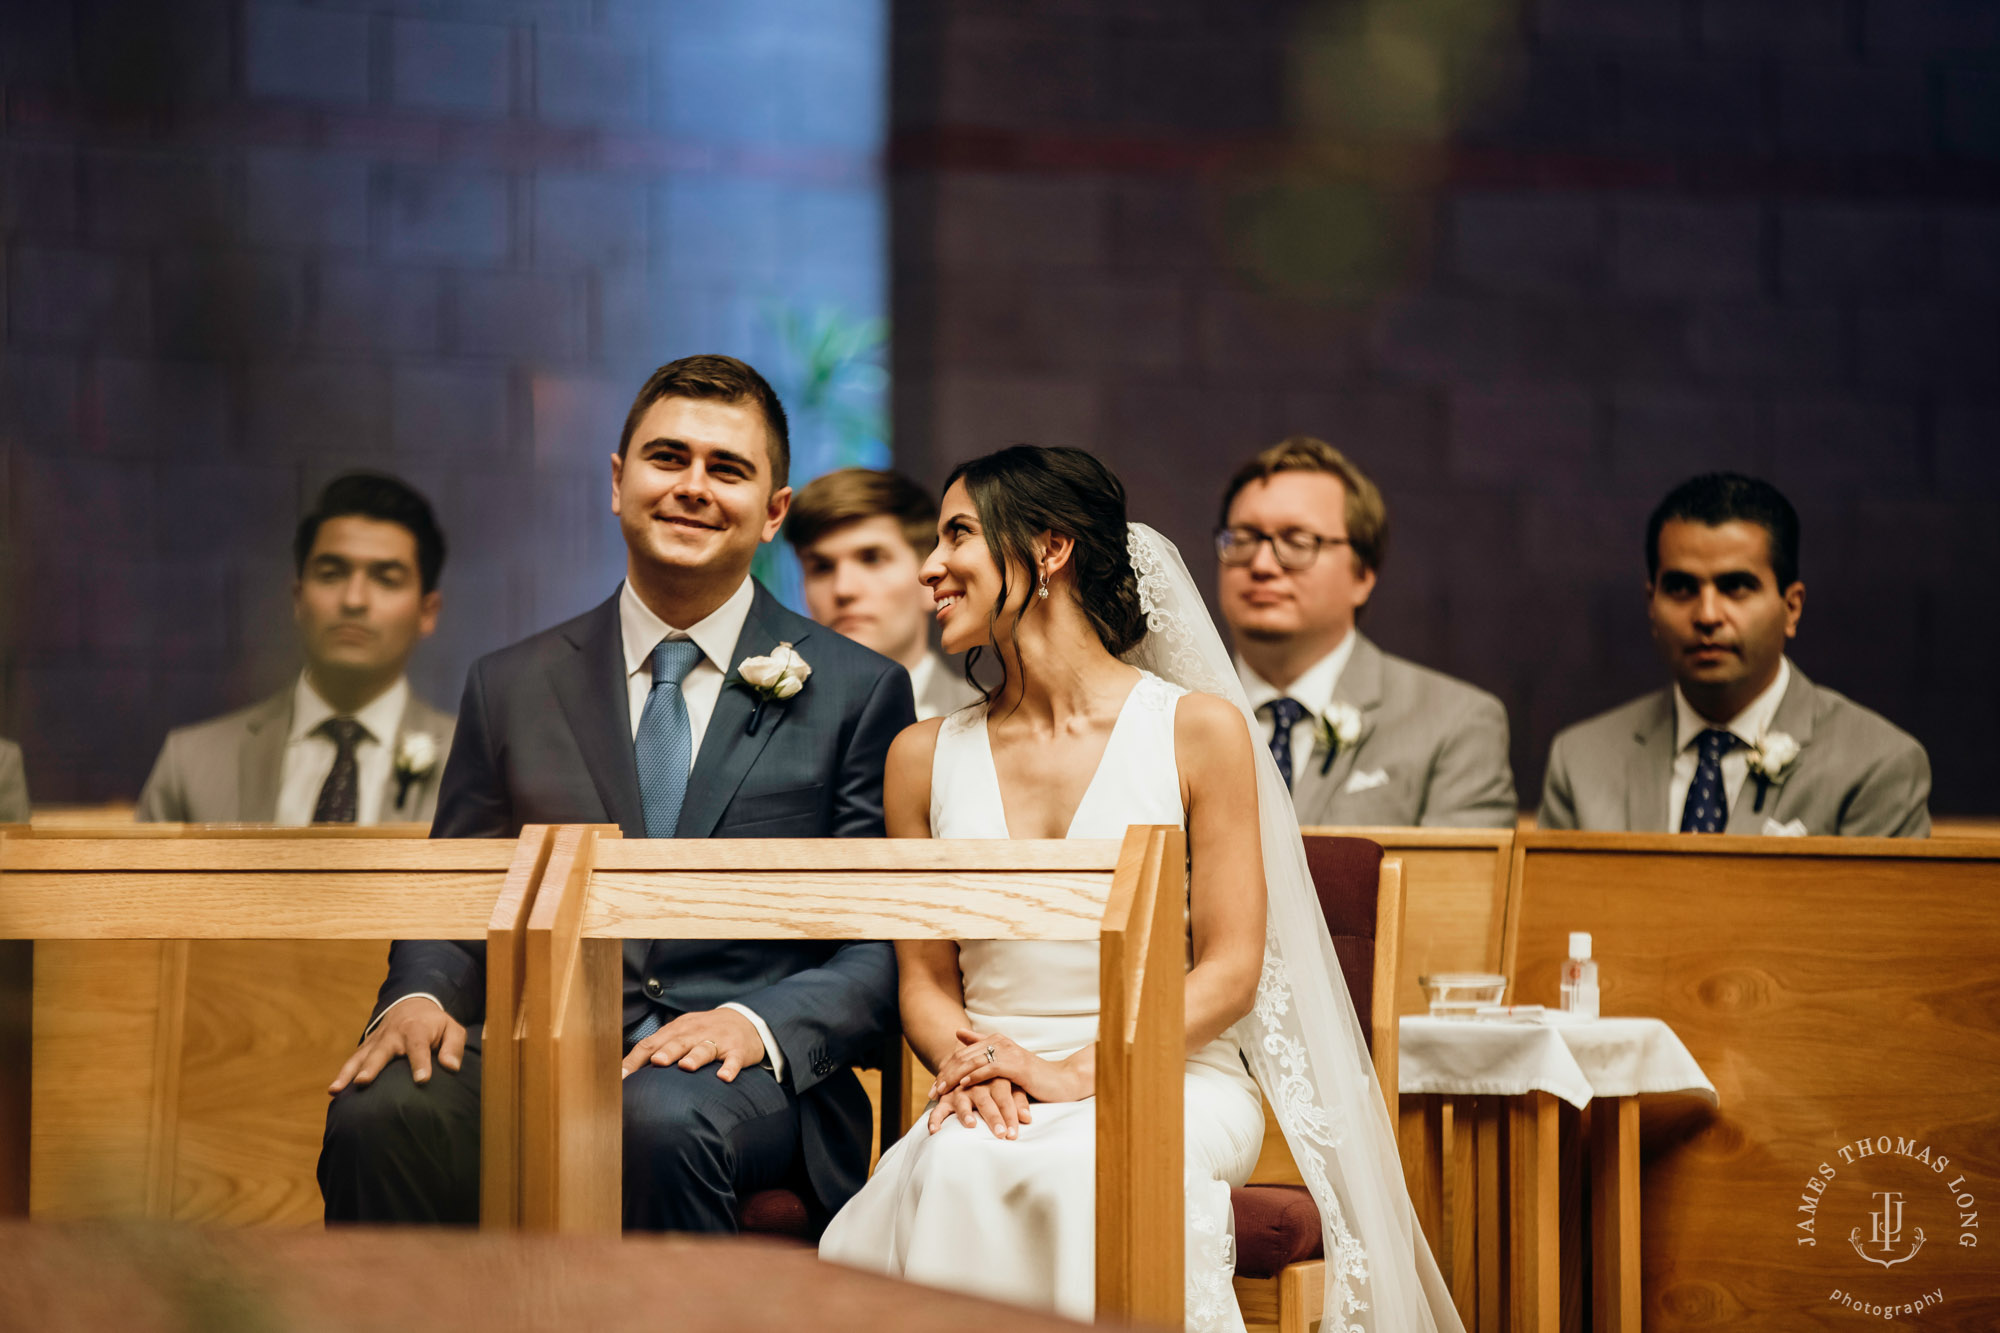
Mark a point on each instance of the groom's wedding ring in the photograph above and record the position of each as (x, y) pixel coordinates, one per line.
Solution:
(705, 1041)
(989, 1055)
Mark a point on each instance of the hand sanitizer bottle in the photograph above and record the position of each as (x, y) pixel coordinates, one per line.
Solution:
(1579, 977)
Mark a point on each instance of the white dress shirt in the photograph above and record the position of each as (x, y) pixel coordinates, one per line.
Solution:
(1314, 689)
(309, 756)
(716, 635)
(1750, 725)
(920, 677)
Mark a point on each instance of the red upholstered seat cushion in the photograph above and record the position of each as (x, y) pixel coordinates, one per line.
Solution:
(1276, 1225)
(777, 1213)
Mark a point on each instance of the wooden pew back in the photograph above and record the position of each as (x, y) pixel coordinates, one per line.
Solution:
(1455, 895)
(1834, 990)
(600, 890)
(194, 989)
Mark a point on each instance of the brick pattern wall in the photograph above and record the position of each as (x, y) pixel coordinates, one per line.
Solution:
(1613, 243)
(250, 245)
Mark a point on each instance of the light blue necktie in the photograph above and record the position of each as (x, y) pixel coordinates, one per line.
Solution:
(664, 746)
(664, 749)
(1707, 808)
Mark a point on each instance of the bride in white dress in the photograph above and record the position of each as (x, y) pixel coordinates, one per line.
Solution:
(993, 1192)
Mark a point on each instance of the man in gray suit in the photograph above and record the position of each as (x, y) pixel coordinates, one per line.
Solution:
(1364, 738)
(348, 742)
(861, 538)
(1743, 742)
(13, 785)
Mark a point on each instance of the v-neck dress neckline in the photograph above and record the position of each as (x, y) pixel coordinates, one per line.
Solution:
(1118, 729)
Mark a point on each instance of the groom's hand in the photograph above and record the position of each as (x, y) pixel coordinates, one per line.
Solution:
(694, 1040)
(411, 1028)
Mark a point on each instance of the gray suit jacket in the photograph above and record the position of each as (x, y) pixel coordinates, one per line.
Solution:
(946, 692)
(1433, 752)
(1856, 774)
(225, 770)
(13, 785)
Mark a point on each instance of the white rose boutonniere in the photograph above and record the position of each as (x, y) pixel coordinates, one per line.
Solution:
(1770, 759)
(774, 678)
(416, 760)
(1339, 728)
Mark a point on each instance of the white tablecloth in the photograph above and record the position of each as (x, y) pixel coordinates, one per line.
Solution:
(1605, 1057)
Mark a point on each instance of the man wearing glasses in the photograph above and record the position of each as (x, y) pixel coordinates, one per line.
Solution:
(1363, 738)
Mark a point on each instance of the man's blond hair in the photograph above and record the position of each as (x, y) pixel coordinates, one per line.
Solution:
(1367, 517)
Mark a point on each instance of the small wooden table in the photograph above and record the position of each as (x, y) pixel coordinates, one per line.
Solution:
(1490, 1095)
(164, 1278)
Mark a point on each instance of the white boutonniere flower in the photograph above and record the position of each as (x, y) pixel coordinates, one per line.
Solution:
(773, 679)
(1770, 759)
(1339, 728)
(416, 760)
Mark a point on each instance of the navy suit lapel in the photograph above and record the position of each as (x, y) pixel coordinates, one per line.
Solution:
(590, 686)
(727, 750)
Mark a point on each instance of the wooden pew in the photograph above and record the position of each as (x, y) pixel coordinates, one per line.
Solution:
(87, 818)
(194, 990)
(1834, 990)
(600, 890)
(1455, 890)
(167, 1278)
(1455, 894)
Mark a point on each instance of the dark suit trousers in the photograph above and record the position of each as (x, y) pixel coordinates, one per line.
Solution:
(400, 1151)
(396, 1152)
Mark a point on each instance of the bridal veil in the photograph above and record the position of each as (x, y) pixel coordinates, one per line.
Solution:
(1302, 1039)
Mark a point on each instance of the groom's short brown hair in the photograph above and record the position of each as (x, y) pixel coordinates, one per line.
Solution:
(1367, 516)
(720, 379)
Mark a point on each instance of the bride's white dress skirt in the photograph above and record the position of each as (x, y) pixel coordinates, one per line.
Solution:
(1015, 1219)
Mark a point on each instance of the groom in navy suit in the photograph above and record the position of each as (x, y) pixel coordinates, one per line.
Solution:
(737, 1072)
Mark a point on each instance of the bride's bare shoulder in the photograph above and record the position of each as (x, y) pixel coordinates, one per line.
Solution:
(906, 780)
(917, 741)
(915, 745)
(1210, 715)
(1209, 730)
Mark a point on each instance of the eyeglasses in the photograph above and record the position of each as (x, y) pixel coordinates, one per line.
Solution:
(1295, 548)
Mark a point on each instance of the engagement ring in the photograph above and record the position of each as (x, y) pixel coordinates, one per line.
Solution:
(989, 1055)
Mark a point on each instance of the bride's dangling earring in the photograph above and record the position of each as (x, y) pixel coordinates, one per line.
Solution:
(1043, 591)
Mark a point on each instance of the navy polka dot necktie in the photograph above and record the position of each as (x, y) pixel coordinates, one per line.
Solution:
(1707, 807)
(1285, 714)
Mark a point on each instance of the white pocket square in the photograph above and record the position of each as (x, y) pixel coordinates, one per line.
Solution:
(1368, 781)
(1793, 829)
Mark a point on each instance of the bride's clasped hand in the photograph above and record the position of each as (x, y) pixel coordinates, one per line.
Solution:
(994, 1079)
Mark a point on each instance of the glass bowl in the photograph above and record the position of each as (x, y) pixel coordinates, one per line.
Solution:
(1462, 994)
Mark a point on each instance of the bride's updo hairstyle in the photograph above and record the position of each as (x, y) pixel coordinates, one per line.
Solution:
(1024, 491)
